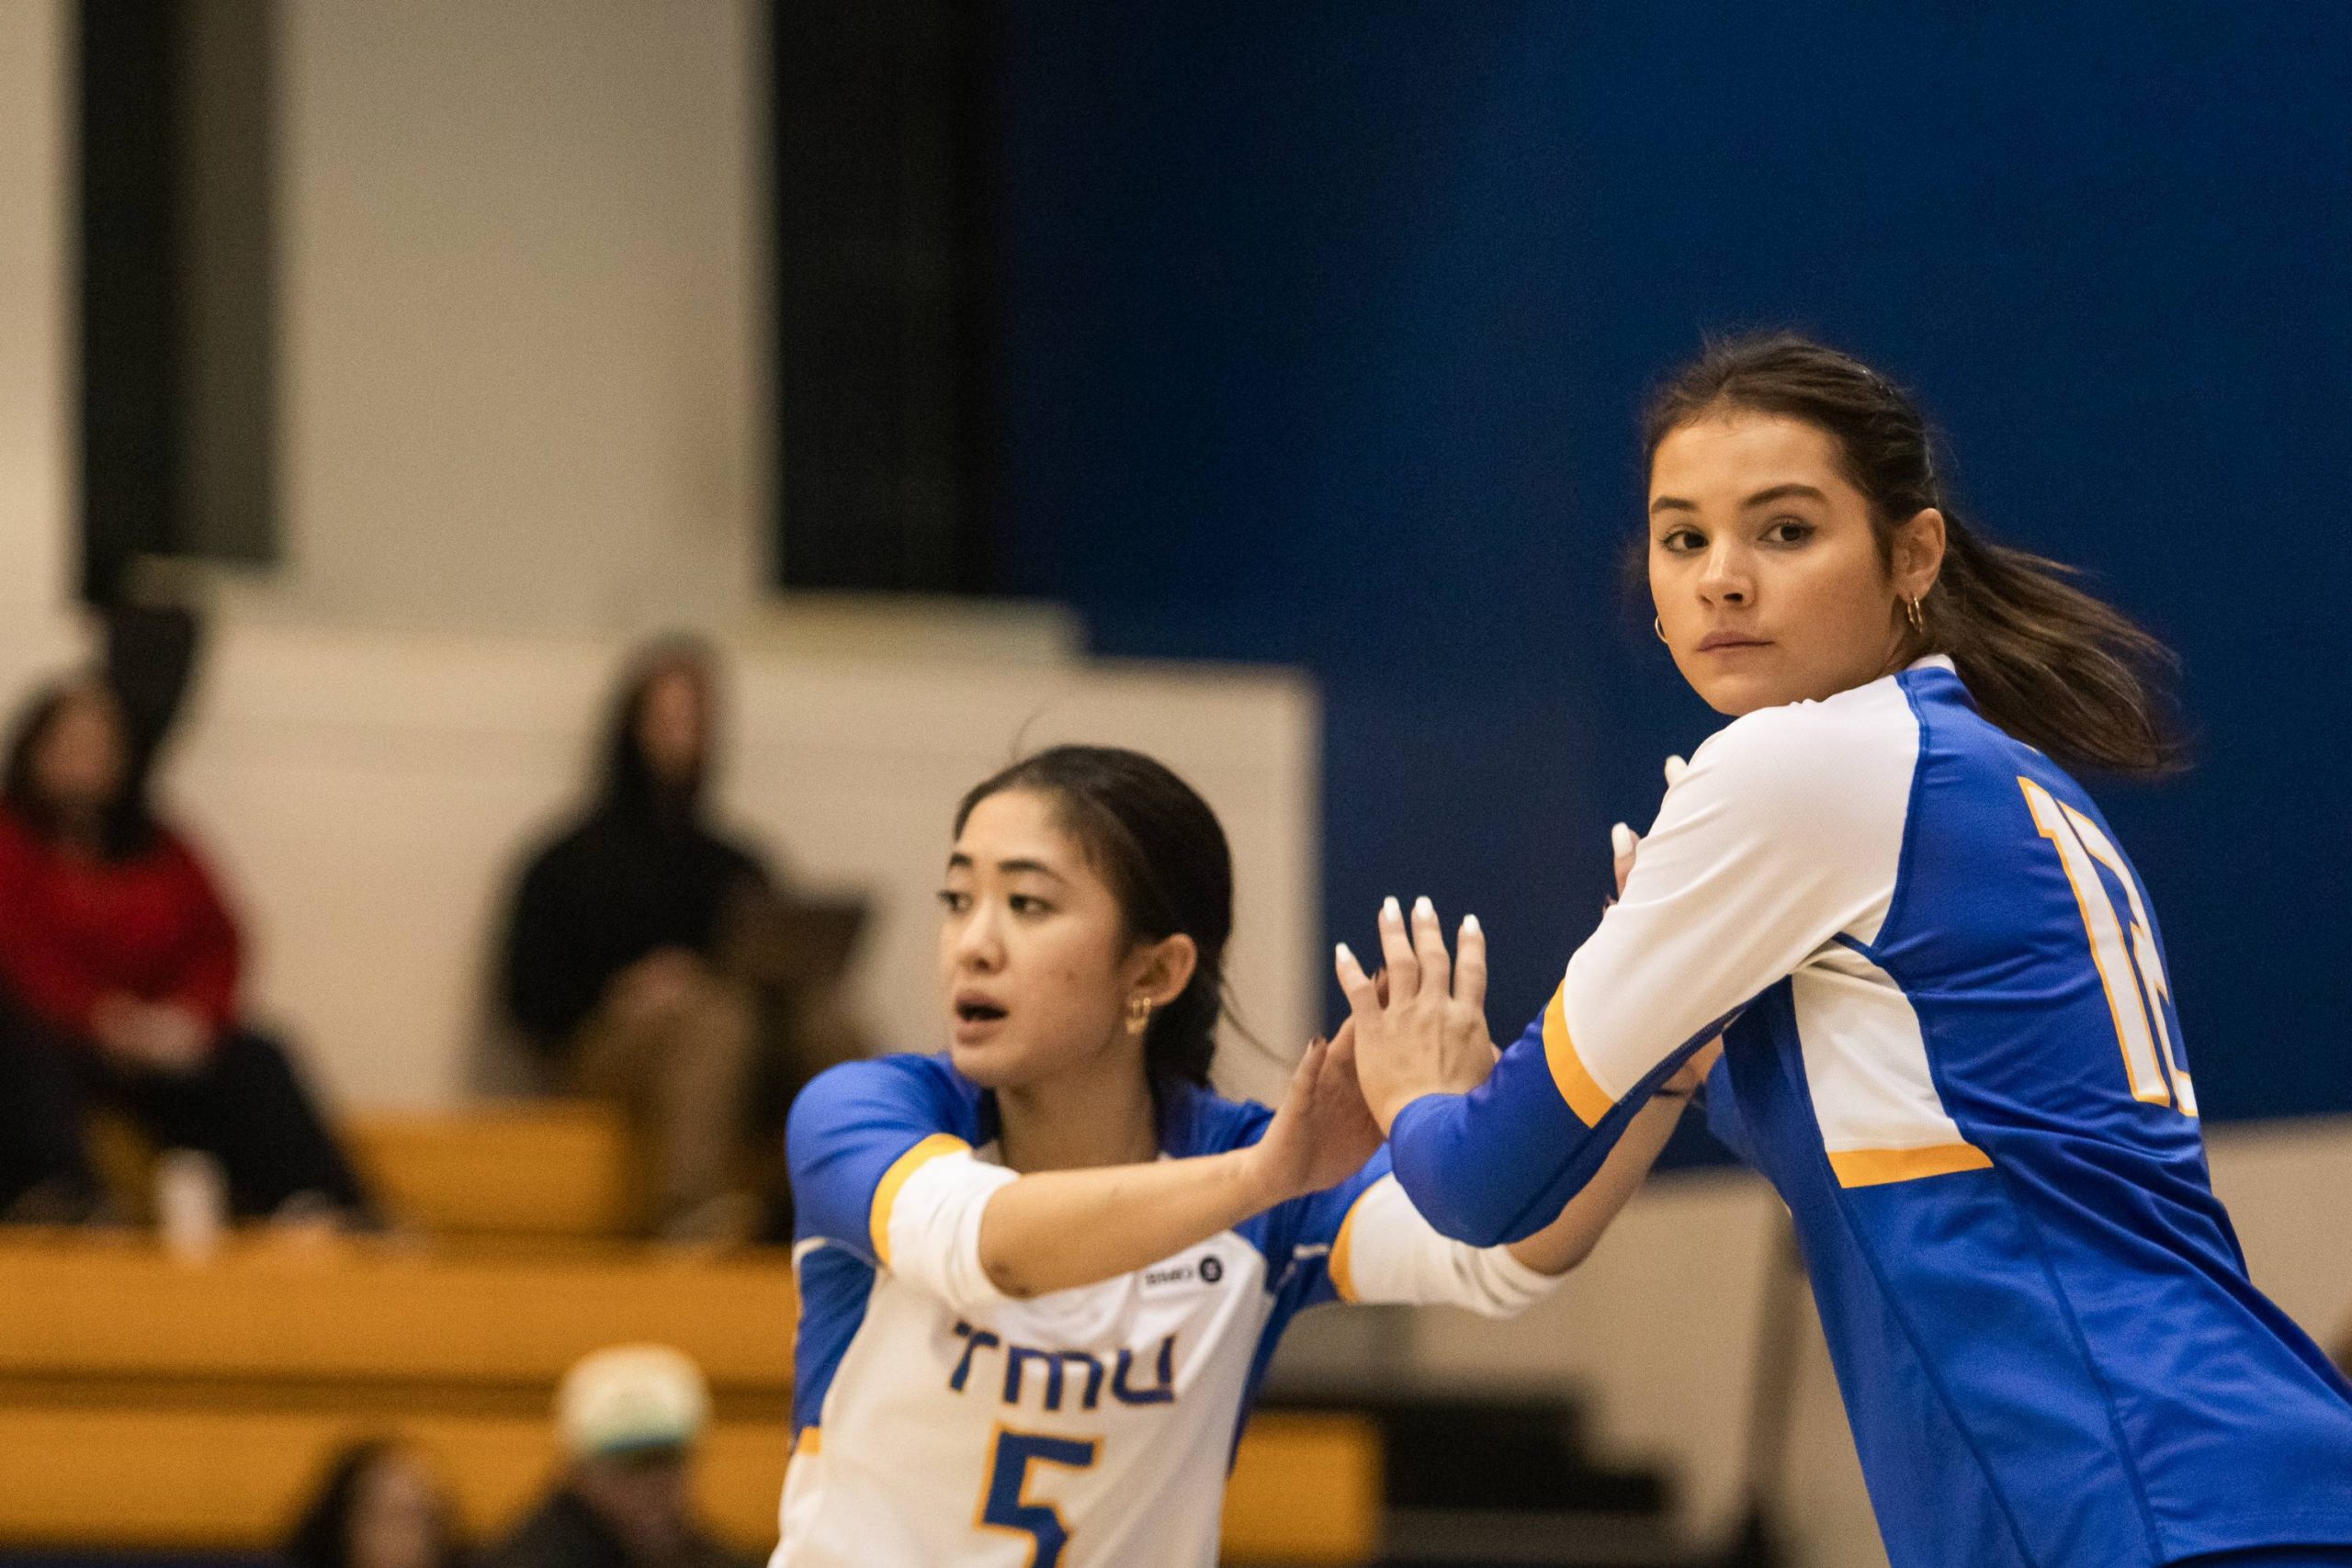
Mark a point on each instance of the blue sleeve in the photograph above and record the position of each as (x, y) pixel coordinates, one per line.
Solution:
(848, 1130)
(1500, 1163)
(1724, 1120)
(1320, 1219)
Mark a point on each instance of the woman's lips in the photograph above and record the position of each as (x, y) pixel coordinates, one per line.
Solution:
(975, 1019)
(1728, 642)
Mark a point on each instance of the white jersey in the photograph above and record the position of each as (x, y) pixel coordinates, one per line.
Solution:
(938, 1423)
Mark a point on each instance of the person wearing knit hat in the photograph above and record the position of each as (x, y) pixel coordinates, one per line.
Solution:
(629, 1418)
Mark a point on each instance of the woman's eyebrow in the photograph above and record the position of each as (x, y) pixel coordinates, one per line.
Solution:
(1012, 867)
(1782, 493)
(1672, 504)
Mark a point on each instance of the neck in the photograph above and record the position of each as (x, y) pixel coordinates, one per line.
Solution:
(1097, 1113)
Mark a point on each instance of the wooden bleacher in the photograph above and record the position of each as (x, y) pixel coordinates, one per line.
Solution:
(148, 1404)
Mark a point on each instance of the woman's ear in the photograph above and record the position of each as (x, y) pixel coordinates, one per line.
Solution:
(1165, 967)
(1916, 558)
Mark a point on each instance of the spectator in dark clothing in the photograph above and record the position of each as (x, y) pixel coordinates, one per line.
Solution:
(628, 962)
(119, 976)
(630, 1418)
(381, 1505)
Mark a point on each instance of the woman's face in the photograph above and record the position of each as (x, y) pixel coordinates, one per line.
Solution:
(396, 1515)
(1035, 962)
(78, 765)
(673, 724)
(1769, 585)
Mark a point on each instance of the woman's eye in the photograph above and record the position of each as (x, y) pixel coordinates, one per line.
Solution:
(954, 901)
(1682, 541)
(1788, 531)
(1024, 904)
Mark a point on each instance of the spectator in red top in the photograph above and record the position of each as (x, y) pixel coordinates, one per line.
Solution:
(118, 967)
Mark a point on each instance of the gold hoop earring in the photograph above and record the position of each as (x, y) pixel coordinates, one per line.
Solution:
(1919, 616)
(1659, 627)
(1138, 1014)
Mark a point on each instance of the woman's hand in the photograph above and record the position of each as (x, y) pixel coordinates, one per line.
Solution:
(1321, 1134)
(155, 1037)
(1424, 1030)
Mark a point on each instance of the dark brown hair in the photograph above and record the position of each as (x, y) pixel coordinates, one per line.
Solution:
(126, 824)
(1163, 852)
(2058, 667)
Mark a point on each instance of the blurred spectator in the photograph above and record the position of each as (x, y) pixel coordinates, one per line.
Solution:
(381, 1506)
(649, 961)
(629, 1418)
(119, 976)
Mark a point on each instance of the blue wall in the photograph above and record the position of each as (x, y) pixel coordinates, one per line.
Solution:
(1323, 331)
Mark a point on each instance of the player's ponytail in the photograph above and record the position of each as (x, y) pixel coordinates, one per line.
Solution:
(2056, 667)
(1163, 852)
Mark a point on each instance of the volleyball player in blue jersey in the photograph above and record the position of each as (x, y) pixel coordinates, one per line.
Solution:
(1950, 1044)
(1042, 1273)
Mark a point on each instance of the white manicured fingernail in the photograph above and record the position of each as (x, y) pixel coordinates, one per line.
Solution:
(1423, 909)
(1342, 956)
(1470, 923)
(1621, 839)
(1675, 768)
(1390, 911)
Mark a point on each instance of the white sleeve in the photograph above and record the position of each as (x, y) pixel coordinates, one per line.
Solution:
(932, 1225)
(1388, 1253)
(1786, 832)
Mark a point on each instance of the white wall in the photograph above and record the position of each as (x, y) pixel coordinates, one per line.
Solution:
(520, 261)
(366, 794)
(36, 449)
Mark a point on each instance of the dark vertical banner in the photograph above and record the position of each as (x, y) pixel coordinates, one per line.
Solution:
(881, 209)
(176, 318)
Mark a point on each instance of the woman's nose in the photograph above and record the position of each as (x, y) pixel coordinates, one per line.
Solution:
(976, 943)
(1725, 579)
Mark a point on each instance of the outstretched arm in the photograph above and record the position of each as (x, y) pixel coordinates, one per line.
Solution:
(1058, 1229)
(1780, 837)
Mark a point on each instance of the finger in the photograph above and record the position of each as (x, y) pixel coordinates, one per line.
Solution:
(1380, 984)
(1623, 845)
(1343, 1042)
(1396, 951)
(1470, 964)
(1363, 995)
(1310, 1067)
(1675, 768)
(1429, 949)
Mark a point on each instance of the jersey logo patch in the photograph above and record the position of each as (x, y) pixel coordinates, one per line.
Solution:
(1187, 1274)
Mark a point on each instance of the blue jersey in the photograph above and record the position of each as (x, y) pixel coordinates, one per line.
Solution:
(1951, 1044)
(937, 1421)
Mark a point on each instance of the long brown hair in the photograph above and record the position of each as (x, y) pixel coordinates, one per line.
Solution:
(2055, 666)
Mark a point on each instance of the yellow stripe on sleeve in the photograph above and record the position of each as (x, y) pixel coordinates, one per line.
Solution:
(1585, 1097)
(886, 1193)
(1876, 1167)
(1343, 1250)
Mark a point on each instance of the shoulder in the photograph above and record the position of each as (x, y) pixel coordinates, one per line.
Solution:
(1810, 762)
(1196, 1121)
(901, 1093)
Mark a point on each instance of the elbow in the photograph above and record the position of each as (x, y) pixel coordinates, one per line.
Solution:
(1005, 1274)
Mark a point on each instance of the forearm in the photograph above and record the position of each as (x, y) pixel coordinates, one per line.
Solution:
(1059, 1229)
(1568, 1240)
(1500, 1163)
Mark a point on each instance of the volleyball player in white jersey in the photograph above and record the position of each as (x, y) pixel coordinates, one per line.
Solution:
(1041, 1274)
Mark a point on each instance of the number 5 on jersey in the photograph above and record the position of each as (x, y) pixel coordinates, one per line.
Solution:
(1005, 1505)
(2133, 975)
